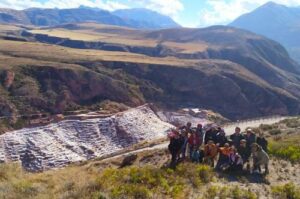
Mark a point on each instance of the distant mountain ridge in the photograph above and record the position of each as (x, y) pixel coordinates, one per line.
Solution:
(278, 22)
(53, 17)
(147, 17)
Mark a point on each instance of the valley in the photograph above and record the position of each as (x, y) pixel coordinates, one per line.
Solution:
(53, 71)
(93, 102)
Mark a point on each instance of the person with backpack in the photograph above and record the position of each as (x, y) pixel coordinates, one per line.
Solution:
(236, 137)
(262, 141)
(175, 145)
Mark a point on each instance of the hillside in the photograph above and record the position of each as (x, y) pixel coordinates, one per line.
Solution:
(86, 66)
(134, 18)
(148, 176)
(278, 22)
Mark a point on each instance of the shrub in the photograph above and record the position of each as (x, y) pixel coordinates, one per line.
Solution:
(149, 182)
(292, 123)
(287, 191)
(265, 127)
(229, 192)
(289, 152)
(275, 132)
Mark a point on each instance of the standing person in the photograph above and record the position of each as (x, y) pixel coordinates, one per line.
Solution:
(221, 138)
(194, 143)
(210, 152)
(175, 145)
(262, 141)
(200, 133)
(211, 134)
(185, 131)
(244, 153)
(236, 137)
(250, 137)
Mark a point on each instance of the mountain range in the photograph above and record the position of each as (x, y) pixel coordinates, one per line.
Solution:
(73, 66)
(277, 22)
(134, 18)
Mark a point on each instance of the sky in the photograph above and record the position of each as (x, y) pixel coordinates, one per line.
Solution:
(188, 13)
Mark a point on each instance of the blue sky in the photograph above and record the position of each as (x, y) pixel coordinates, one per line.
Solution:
(188, 13)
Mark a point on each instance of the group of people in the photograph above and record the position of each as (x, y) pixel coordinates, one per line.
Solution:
(208, 145)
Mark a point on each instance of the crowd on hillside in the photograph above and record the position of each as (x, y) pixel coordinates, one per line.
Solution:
(239, 152)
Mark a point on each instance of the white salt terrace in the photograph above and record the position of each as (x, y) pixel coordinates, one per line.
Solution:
(59, 144)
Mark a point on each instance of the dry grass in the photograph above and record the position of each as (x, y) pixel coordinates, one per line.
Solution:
(46, 52)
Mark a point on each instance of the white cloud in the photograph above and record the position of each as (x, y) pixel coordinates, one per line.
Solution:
(223, 12)
(170, 8)
(23, 4)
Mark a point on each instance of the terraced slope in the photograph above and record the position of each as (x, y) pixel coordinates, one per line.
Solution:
(69, 141)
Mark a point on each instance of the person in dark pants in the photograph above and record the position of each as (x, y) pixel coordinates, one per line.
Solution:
(262, 141)
(194, 143)
(200, 133)
(175, 145)
(185, 132)
(236, 161)
(236, 137)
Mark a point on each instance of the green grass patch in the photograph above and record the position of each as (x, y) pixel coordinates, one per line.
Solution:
(287, 191)
(151, 182)
(229, 192)
(285, 150)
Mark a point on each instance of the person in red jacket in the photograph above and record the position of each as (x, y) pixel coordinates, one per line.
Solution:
(194, 143)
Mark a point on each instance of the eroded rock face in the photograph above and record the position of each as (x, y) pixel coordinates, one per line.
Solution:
(59, 144)
(8, 79)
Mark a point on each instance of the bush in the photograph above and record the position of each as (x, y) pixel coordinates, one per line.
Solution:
(265, 127)
(149, 182)
(289, 152)
(275, 132)
(229, 192)
(292, 123)
(287, 191)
